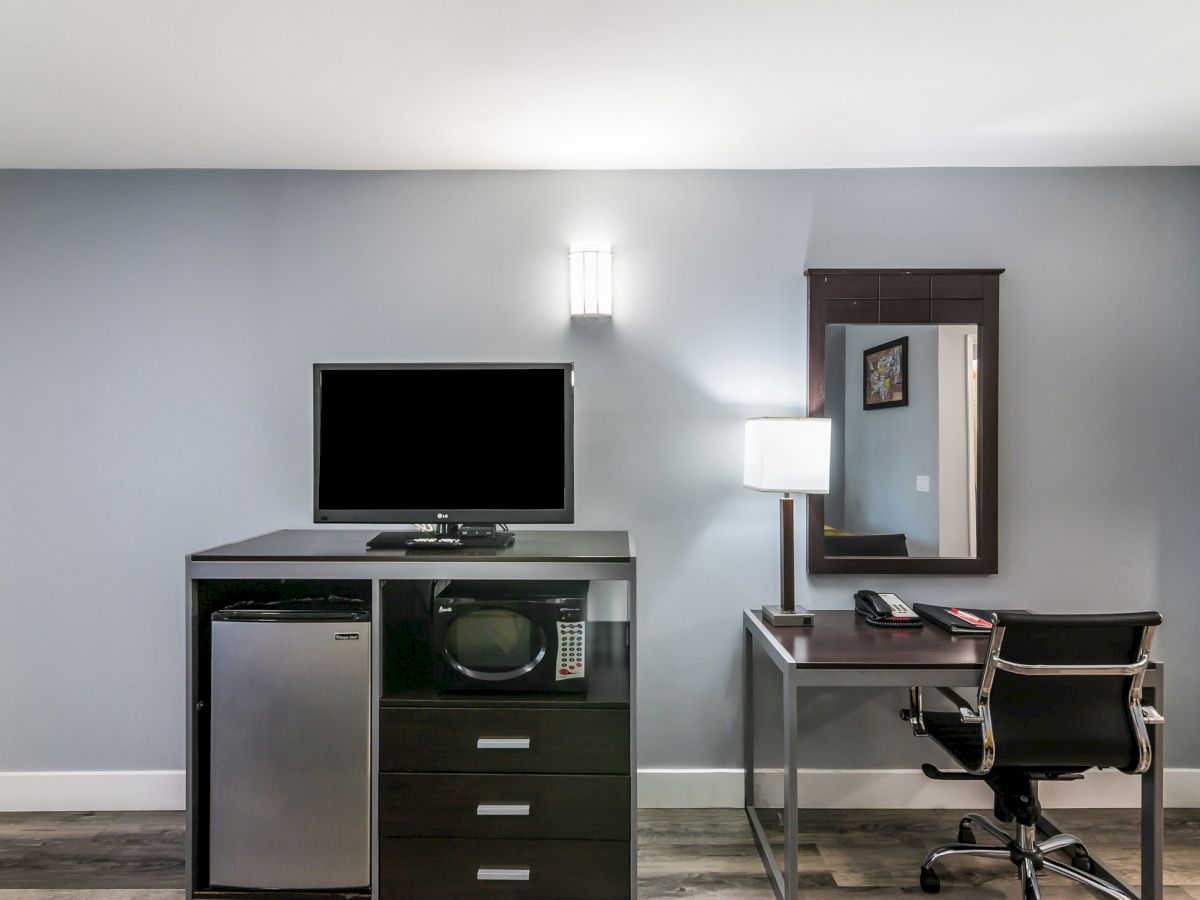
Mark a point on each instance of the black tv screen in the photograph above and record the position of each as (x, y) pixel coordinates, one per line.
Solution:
(449, 443)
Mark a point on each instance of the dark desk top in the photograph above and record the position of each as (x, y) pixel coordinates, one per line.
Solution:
(839, 639)
(350, 545)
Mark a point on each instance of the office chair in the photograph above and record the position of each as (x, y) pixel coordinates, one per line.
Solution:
(1059, 694)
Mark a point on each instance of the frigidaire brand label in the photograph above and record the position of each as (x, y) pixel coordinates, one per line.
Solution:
(345, 636)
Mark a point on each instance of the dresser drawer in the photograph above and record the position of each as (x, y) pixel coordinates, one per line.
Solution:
(581, 807)
(457, 869)
(542, 741)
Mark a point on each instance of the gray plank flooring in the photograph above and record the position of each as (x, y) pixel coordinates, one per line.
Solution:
(92, 851)
(683, 853)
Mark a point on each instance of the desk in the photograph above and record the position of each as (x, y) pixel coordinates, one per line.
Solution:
(841, 650)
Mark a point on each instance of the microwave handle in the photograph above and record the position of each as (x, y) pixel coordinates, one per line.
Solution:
(502, 744)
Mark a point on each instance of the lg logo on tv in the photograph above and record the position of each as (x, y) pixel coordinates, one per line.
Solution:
(443, 515)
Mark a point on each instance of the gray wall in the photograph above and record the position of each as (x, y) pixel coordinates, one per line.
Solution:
(886, 449)
(157, 331)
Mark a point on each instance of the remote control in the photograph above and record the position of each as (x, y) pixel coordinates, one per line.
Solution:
(572, 638)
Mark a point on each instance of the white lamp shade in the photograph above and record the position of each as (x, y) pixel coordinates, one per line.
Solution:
(788, 455)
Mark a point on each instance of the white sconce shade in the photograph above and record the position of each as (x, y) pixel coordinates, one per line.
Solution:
(788, 456)
(591, 279)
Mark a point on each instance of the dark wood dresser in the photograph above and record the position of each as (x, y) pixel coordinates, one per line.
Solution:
(510, 795)
(513, 796)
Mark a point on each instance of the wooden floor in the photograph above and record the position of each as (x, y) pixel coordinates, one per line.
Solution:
(877, 853)
(682, 854)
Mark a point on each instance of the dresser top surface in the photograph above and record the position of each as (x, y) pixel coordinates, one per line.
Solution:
(350, 545)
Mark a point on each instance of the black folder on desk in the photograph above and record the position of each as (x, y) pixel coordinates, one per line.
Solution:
(943, 618)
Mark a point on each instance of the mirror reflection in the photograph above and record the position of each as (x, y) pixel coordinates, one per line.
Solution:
(904, 405)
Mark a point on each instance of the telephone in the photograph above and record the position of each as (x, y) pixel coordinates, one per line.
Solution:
(885, 610)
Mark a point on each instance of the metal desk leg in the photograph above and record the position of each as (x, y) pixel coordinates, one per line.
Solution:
(784, 884)
(1152, 804)
(748, 715)
(790, 800)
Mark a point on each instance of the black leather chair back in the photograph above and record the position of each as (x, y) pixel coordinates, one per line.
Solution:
(1065, 722)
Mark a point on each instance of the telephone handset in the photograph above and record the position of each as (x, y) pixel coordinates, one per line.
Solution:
(885, 610)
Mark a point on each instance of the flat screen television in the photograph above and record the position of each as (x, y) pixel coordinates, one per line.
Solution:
(443, 443)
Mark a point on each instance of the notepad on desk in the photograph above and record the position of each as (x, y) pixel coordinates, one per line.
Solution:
(955, 619)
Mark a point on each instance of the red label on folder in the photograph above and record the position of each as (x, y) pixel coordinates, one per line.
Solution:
(970, 618)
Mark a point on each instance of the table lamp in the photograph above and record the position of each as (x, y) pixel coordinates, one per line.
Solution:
(788, 456)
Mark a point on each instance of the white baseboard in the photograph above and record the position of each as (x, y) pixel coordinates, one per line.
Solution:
(893, 789)
(657, 789)
(91, 791)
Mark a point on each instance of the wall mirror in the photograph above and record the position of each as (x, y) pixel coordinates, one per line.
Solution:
(904, 363)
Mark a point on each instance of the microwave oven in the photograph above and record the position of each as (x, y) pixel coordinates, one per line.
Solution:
(510, 636)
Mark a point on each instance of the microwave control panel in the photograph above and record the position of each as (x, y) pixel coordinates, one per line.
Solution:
(572, 639)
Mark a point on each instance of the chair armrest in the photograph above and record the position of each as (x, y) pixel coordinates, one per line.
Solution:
(915, 714)
(966, 712)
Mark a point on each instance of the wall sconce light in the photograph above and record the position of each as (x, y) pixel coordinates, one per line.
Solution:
(591, 279)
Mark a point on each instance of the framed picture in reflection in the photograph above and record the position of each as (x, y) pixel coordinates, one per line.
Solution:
(885, 375)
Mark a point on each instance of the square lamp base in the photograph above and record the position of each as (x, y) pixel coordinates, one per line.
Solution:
(779, 617)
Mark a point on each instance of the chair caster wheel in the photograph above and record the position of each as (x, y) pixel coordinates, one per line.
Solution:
(1081, 861)
(965, 834)
(930, 883)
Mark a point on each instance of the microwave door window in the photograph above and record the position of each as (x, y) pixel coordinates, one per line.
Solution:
(493, 641)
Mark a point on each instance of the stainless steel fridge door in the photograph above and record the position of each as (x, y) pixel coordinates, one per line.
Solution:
(290, 765)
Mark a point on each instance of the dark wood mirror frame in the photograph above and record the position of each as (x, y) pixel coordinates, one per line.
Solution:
(910, 297)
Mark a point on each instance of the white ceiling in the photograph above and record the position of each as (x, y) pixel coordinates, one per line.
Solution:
(550, 84)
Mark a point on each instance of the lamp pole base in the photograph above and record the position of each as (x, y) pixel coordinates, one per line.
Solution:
(779, 617)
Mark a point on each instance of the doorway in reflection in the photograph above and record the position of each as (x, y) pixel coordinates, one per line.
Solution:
(904, 475)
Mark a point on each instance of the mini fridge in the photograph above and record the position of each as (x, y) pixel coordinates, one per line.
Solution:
(290, 747)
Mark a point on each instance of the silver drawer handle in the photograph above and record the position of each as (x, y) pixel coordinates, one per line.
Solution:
(502, 744)
(502, 875)
(502, 809)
